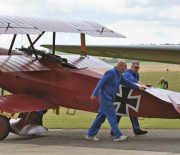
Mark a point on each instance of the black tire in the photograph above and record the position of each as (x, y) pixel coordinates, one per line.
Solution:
(4, 127)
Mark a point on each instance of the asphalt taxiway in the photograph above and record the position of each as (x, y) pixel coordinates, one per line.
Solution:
(72, 142)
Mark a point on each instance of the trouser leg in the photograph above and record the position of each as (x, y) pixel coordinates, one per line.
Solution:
(100, 118)
(118, 120)
(42, 112)
(108, 109)
(135, 123)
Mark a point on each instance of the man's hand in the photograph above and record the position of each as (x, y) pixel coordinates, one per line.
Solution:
(92, 97)
(148, 85)
(141, 87)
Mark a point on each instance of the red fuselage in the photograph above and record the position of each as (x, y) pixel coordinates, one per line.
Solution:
(61, 86)
(72, 88)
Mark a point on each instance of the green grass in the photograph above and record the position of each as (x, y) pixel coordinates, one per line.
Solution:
(153, 78)
(83, 119)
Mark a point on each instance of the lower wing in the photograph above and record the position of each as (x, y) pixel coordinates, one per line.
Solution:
(18, 103)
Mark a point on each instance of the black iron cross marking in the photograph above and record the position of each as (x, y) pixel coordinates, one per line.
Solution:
(124, 101)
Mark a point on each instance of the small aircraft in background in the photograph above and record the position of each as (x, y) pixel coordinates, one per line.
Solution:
(38, 81)
(166, 53)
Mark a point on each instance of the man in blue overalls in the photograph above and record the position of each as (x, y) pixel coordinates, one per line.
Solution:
(107, 88)
(133, 76)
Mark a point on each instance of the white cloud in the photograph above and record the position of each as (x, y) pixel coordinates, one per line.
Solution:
(172, 13)
(142, 21)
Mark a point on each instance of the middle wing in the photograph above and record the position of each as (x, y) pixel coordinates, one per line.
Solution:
(86, 62)
(157, 53)
(18, 103)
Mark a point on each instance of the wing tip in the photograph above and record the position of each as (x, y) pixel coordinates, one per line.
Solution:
(176, 105)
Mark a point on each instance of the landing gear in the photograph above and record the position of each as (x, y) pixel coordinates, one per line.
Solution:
(4, 127)
(28, 123)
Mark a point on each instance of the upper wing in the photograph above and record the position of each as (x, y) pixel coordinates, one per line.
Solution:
(157, 53)
(35, 25)
(18, 103)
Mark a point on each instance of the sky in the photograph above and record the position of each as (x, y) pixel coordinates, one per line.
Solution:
(141, 21)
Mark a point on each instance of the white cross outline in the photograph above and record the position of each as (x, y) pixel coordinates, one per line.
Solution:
(118, 104)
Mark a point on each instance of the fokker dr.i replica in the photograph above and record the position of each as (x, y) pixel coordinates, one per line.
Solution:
(39, 81)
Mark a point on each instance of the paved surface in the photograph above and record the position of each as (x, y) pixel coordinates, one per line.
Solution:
(72, 142)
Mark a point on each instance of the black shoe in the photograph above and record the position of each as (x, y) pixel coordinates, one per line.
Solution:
(140, 132)
(46, 128)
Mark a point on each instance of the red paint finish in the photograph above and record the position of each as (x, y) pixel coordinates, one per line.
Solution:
(51, 85)
(59, 86)
(23, 103)
(153, 107)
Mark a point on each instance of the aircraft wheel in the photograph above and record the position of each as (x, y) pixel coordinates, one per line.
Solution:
(4, 127)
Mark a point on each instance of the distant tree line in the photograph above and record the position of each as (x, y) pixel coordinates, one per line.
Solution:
(114, 60)
(110, 60)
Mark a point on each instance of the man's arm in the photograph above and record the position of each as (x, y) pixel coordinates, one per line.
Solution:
(130, 77)
(130, 84)
(107, 76)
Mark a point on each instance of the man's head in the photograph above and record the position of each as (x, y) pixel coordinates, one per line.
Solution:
(121, 66)
(135, 66)
(162, 79)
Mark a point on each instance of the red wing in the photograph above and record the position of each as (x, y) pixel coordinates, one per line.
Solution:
(18, 63)
(23, 103)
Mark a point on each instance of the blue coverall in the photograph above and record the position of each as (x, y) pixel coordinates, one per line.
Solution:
(129, 75)
(107, 88)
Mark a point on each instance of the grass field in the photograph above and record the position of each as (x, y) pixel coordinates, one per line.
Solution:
(150, 73)
(83, 120)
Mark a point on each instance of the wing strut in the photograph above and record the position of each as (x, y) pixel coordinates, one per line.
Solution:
(39, 36)
(32, 46)
(12, 43)
(2, 91)
(83, 45)
(53, 43)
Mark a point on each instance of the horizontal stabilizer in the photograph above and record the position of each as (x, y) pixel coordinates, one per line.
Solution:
(176, 105)
(164, 95)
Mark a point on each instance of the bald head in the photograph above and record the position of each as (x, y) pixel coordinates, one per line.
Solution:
(121, 66)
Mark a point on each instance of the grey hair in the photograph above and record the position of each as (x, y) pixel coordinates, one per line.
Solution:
(135, 62)
(120, 62)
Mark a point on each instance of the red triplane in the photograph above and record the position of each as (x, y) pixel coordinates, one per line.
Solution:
(39, 80)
